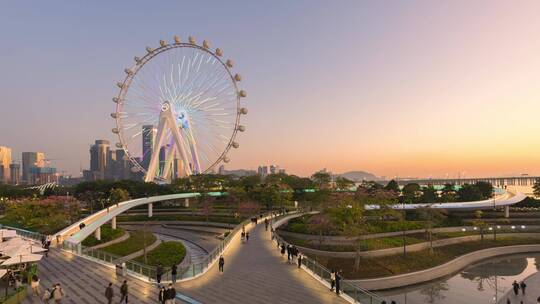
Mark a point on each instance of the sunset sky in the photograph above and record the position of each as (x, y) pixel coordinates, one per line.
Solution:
(408, 88)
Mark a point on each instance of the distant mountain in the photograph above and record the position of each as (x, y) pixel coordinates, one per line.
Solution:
(359, 176)
(239, 172)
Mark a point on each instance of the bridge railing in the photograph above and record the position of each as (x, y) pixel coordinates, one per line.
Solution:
(25, 233)
(355, 294)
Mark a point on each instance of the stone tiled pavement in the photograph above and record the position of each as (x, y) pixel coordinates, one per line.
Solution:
(84, 281)
(255, 272)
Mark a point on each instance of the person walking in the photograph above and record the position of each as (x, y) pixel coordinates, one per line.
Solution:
(159, 273)
(124, 292)
(174, 272)
(57, 293)
(161, 295)
(35, 285)
(338, 282)
(46, 296)
(109, 293)
(46, 247)
(522, 285)
(265, 224)
(171, 295)
(247, 236)
(299, 260)
(282, 249)
(221, 263)
(332, 279)
(515, 286)
(289, 252)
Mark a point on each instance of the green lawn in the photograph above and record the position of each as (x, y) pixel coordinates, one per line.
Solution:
(414, 261)
(134, 243)
(167, 253)
(107, 234)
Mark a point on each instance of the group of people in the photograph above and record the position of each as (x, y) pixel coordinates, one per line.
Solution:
(56, 293)
(109, 292)
(335, 281)
(517, 287)
(167, 295)
(244, 236)
(160, 271)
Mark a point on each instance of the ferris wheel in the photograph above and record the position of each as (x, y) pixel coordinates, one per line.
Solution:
(178, 110)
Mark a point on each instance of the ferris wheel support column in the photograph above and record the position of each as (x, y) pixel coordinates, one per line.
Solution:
(193, 149)
(166, 120)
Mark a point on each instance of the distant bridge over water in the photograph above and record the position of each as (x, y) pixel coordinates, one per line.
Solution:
(517, 184)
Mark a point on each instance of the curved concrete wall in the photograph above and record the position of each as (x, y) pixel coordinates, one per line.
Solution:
(410, 248)
(441, 270)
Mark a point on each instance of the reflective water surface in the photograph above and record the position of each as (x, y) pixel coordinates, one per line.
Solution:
(484, 282)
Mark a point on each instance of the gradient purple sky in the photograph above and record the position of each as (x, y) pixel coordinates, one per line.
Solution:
(411, 88)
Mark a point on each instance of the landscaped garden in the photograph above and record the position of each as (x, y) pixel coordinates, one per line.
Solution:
(167, 254)
(107, 234)
(136, 241)
(414, 261)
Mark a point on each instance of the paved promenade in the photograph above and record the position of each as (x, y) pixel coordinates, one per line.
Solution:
(84, 281)
(255, 272)
(532, 292)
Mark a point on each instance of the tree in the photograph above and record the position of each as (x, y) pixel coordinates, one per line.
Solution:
(321, 179)
(485, 189)
(47, 216)
(392, 186)
(356, 226)
(371, 186)
(469, 193)
(448, 193)
(429, 194)
(536, 188)
(430, 216)
(343, 183)
(480, 223)
(237, 194)
(206, 208)
(319, 224)
(410, 191)
(247, 209)
(118, 195)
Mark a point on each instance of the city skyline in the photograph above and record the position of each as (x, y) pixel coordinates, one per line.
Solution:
(341, 87)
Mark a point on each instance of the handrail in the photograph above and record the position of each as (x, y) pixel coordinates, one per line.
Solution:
(355, 294)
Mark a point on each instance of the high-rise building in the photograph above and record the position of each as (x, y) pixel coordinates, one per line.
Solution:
(42, 175)
(148, 135)
(31, 160)
(99, 156)
(5, 161)
(123, 165)
(262, 170)
(15, 173)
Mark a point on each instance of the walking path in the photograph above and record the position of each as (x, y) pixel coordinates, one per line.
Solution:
(84, 281)
(255, 272)
(532, 292)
